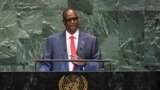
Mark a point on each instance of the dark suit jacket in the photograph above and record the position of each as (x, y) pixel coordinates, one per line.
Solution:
(56, 48)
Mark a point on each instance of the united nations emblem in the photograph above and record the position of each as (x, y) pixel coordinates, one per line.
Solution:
(73, 82)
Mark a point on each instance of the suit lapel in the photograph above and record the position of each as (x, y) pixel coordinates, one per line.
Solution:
(64, 49)
(81, 43)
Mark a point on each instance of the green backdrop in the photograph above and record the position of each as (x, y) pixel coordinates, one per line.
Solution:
(128, 31)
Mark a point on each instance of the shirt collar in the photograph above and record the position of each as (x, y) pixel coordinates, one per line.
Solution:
(76, 34)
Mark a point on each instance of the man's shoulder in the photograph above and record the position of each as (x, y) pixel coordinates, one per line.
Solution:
(56, 35)
(87, 35)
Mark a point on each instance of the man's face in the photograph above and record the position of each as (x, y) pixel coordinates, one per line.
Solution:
(71, 21)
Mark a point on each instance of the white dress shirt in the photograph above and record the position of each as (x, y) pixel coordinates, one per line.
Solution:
(76, 36)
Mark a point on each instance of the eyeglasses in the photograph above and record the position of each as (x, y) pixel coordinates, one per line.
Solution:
(70, 19)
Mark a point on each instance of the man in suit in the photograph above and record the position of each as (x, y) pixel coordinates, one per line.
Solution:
(71, 44)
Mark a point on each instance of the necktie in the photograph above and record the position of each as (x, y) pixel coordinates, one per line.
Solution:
(73, 49)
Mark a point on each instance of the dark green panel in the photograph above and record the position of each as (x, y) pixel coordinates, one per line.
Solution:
(152, 40)
(6, 5)
(152, 4)
(8, 35)
(18, 21)
(29, 20)
(105, 27)
(22, 2)
(131, 4)
(86, 6)
(131, 37)
(105, 5)
(28, 50)
(52, 17)
(29, 17)
(56, 4)
(85, 22)
(52, 21)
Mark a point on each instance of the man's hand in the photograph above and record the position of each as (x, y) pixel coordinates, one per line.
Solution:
(80, 60)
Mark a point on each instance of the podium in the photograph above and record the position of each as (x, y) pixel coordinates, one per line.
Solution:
(102, 61)
(110, 80)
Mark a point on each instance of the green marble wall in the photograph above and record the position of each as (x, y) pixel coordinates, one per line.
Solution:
(128, 31)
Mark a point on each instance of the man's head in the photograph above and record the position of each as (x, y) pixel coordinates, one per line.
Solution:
(70, 20)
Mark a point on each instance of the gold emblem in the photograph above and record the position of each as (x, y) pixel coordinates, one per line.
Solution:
(73, 82)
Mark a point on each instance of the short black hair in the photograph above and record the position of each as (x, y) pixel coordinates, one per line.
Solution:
(67, 10)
